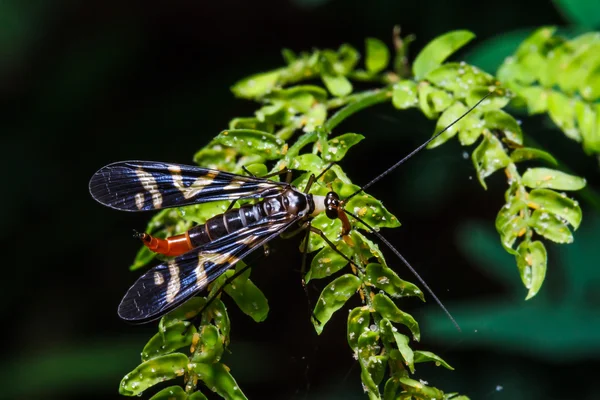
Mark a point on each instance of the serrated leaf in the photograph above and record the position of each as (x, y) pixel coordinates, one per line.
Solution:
(256, 85)
(426, 356)
(209, 347)
(338, 85)
(392, 335)
(498, 119)
(251, 142)
(359, 320)
(489, 157)
(386, 307)
(550, 227)
(171, 393)
(449, 116)
(531, 261)
(249, 298)
(562, 111)
(339, 145)
(560, 205)
(370, 210)
(438, 50)
(171, 338)
(153, 371)
(327, 262)
(387, 280)
(550, 178)
(377, 55)
(218, 379)
(528, 153)
(333, 297)
(404, 95)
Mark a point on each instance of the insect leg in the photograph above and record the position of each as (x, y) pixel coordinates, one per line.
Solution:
(314, 178)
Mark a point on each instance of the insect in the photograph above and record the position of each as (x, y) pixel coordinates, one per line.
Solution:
(206, 251)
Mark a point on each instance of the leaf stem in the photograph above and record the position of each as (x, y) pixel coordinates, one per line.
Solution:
(364, 100)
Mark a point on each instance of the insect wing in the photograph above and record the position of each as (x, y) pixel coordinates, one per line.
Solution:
(167, 285)
(148, 185)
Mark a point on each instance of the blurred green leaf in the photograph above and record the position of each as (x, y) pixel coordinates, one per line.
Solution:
(438, 50)
(339, 145)
(550, 227)
(197, 396)
(451, 114)
(498, 119)
(153, 371)
(338, 85)
(391, 388)
(549, 201)
(392, 335)
(387, 280)
(256, 85)
(246, 295)
(333, 297)
(532, 261)
(528, 153)
(404, 95)
(377, 55)
(419, 390)
(536, 178)
(562, 111)
(386, 307)
(427, 356)
(489, 157)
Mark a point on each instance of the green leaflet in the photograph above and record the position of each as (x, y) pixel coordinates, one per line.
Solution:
(377, 55)
(359, 320)
(438, 50)
(404, 95)
(420, 390)
(209, 347)
(327, 261)
(339, 145)
(218, 379)
(170, 393)
(528, 153)
(392, 335)
(387, 280)
(531, 261)
(386, 307)
(251, 142)
(549, 178)
(427, 356)
(546, 200)
(489, 157)
(169, 340)
(246, 295)
(153, 371)
(333, 297)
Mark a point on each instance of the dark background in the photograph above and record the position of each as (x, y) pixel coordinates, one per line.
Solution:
(87, 83)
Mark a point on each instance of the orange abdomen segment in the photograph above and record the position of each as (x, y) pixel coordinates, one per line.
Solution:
(171, 246)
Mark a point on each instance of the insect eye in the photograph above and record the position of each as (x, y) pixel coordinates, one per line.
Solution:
(286, 201)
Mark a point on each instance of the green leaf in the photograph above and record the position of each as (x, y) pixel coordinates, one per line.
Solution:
(339, 145)
(347, 58)
(218, 379)
(549, 178)
(246, 295)
(426, 356)
(531, 261)
(308, 162)
(216, 158)
(438, 50)
(451, 114)
(338, 85)
(331, 228)
(256, 85)
(209, 346)
(550, 227)
(528, 153)
(387, 280)
(250, 142)
(359, 320)
(419, 390)
(560, 205)
(562, 111)
(218, 312)
(489, 157)
(367, 353)
(391, 388)
(169, 340)
(460, 78)
(171, 393)
(536, 99)
(367, 208)
(365, 248)
(391, 334)
(327, 262)
(153, 371)
(498, 119)
(404, 95)
(386, 307)
(333, 297)
(199, 396)
(425, 90)
(377, 55)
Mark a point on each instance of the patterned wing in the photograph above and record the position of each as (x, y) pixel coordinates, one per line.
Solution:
(148, 185)
(167, 285)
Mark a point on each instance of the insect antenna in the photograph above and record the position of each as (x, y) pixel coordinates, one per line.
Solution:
(410, 267)
(415, 151)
